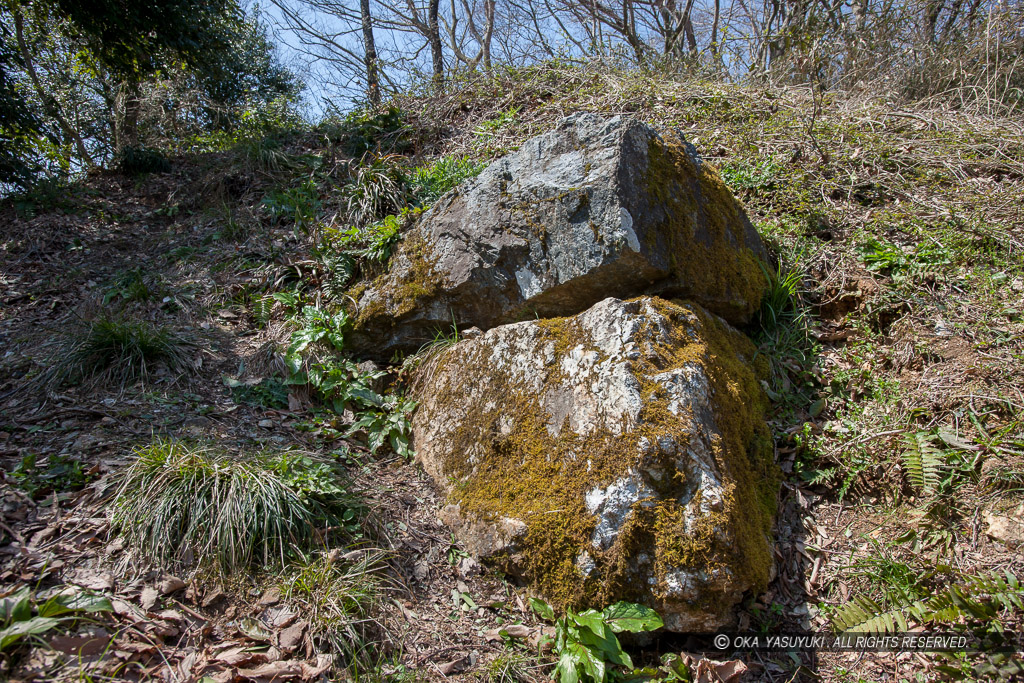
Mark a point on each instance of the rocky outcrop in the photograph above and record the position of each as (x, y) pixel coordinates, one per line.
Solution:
(620, 453)
(596, 207)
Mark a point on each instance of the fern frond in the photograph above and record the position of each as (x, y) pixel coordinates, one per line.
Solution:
(864, 615)
(923, 462)
(979, 597)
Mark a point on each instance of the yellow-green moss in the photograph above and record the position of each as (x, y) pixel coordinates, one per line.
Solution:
(530, 474)
(400, 294)
(701, 215)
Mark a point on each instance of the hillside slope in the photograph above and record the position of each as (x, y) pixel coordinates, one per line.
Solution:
(894, 334)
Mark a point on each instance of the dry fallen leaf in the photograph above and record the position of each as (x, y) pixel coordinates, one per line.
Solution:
(453, 666)
(149, 597)
(291, 638)
(94, 581)
(274, 670)
(311, 671)
(703, 670)
(170, 584)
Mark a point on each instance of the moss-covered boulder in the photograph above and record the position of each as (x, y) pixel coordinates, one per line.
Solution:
(621, 453)
(596, 207)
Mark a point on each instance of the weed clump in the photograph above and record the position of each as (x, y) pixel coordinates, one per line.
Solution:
(178, 499)
(120, 351)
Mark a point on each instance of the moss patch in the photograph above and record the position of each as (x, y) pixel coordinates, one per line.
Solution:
(707, 257)
(505, 456)
(400, 294)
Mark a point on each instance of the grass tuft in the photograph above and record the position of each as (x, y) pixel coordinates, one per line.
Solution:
(781, 302)
(121, 351)
(341, 595)
(178, 500)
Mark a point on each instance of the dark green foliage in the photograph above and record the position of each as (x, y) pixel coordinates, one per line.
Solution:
(924, 462)
(268, 393)
(297, 205)
(247, 87)
(44, 194)
(780, 304)
(178, 499)
(19, 126)
(24, 616)
(140, 161)
(378, 187)
(132, 285)
(121, 351)
(428, 183)
(368, 130)
(61, 473)
(585, 643)
(130, 38)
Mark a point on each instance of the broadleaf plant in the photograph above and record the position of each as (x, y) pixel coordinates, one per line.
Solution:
(585, 642)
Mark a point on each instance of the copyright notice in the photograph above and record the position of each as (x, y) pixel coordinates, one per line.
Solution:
(915, 641)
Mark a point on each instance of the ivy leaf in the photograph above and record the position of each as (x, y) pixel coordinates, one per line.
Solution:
(629, 616)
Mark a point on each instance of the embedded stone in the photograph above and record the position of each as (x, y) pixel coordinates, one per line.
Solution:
(618, 454)
(597, 207)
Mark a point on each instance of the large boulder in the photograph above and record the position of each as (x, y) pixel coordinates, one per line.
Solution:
(621, 453)
(596, 207)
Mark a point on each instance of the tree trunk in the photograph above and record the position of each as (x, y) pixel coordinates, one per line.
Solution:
(50, 105)
(127, 120)
(434, 38)
(715, 54)
(369, 54)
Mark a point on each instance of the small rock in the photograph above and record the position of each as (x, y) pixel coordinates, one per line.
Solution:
(271, 597)
(266, 424)
(1007, 529)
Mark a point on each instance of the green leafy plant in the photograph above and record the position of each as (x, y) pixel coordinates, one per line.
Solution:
(268, 392)
(375, 242)
(317, 326)
(390, 424)
(781, 301)
(935, 471)
(901, 263)
(923, 462)
(298, 205)
(132, 285)
(491, 126)
(979, 597)
(119, 350)
(585, 643)
(23, 616)
(428, 183)
(377, 188)
(341, 597)
(178, 499)
(508, 667)
(266, 154)
(751, 176)
(368, 130)
(61, 473)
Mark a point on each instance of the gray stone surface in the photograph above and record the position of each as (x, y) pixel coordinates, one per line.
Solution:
(618, 454)
(596, 207)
